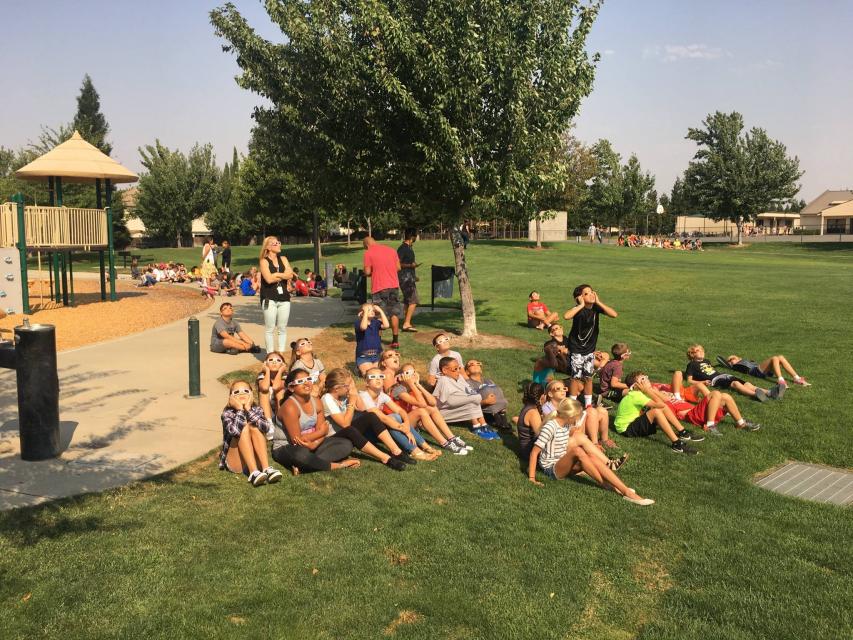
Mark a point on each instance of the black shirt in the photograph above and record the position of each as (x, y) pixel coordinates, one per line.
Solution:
(270, 291)
(583, 336)
(226, 258)
(406, 254)
(701, 370)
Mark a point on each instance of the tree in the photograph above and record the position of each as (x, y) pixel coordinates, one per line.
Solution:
(225, 217)
(435, 109)
(89, 121)
(176, 189)
(638, 195)
(736, 175)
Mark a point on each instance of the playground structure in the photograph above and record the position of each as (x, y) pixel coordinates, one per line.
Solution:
(58, 231)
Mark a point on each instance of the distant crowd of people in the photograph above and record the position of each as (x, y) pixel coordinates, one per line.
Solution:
(660, 242)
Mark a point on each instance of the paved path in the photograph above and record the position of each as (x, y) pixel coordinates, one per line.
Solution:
(122, 407)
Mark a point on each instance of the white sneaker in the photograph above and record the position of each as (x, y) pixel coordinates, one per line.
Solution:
(273, 475)
(257, 478)
(459, 441)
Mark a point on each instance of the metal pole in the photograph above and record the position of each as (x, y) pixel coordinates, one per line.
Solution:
(57, 293)
(316, 233)
(38, 391)
(194, 358)
(22, 250)
(71, 276)
(64, 279)
(103, 272)
(109, 189)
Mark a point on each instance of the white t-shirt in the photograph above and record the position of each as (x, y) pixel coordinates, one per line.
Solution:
(369, 403)
(433, 364)
(332, 406)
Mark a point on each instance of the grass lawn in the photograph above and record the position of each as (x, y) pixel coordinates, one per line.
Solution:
(466, 547)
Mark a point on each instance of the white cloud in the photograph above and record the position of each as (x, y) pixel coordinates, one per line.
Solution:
(609, 52)
(675, 52)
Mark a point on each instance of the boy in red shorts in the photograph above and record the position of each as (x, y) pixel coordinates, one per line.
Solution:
(702, 407)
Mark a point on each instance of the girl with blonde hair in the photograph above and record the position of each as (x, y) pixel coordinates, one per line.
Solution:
(275, 299)
(559, 454)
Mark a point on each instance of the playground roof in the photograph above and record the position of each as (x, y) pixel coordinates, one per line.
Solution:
(78, 161)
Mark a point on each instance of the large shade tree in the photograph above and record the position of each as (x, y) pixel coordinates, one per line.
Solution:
(736, 175)
(175, 189)
(434, 108)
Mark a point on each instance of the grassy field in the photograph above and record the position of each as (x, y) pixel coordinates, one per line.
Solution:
(466, 547)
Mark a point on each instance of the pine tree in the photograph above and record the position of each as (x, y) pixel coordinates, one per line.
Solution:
(89, 120)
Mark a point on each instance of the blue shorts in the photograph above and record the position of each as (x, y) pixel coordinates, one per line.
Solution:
(551, 472)
(360, 360)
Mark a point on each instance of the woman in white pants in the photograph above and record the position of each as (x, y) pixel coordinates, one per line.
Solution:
(275, 300)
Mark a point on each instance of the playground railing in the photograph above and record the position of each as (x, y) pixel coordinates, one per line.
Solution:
(54, 227)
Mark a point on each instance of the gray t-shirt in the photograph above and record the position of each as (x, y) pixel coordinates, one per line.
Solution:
(232, 327)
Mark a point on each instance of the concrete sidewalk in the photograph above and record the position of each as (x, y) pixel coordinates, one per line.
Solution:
(122, 407)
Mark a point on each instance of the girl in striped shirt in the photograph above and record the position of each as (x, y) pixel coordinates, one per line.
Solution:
(560, 455)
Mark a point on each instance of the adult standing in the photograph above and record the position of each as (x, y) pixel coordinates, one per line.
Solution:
(591, 232)
(408, 278)
(226, 256)
(381, 264)
(208, 258)
(275, 300)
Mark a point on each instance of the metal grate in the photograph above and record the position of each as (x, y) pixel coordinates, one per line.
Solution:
(811, 482)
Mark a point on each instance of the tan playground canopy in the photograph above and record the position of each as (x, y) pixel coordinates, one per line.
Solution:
(78, 161)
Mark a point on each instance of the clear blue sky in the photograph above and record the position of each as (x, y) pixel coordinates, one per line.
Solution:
(665, 64)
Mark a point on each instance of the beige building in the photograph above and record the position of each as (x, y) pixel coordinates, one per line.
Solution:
(136, 227)
(830, 212)
(552, 229)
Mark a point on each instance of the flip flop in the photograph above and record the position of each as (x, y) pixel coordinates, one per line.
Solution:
(410, 330)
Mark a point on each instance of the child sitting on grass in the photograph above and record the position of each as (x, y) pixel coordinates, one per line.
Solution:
(374, 400)
(538, 315)
(772, 366)
(639, 415)
(494, 401)
(302, 357)
(558, 453)
(699, 369)
(457, 401)
(529, 420)
(441, 342)
(244, 437)
(411, 395)
(610, 375)
(595, 420)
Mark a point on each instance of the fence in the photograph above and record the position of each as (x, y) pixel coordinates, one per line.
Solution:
(54, 227)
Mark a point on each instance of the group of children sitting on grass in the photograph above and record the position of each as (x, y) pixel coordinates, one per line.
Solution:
(226, 283)
(660, 242)
(316, 418)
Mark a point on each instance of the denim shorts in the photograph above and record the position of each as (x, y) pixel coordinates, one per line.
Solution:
(360, 360)
(551, 472)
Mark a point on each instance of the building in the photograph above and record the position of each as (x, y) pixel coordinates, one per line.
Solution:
(777, 222)
(830, 212)
(552, 229)
(136, 227)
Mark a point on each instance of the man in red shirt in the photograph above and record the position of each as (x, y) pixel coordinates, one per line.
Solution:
(538, 316)
(381, 264)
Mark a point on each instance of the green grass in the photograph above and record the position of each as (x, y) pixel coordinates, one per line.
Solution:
(466, 548)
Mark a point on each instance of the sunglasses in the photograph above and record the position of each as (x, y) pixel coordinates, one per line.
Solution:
(237, 392)
(407, 374)
(275, 360)
(474, 363)
(276, 243)
(341, 386)
(456, 368)
(558, 389)
(376, 376)
(442, 340)
(303, 343)
(296, 383)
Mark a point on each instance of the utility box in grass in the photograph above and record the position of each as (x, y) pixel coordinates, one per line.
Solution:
(11, 297)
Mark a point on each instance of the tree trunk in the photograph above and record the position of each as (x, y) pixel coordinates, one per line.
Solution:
(469, 313)
(179, 239)
(349, 231)
(739, 227)
(538, 233)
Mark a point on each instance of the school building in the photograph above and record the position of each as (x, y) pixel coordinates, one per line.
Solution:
(831, 212)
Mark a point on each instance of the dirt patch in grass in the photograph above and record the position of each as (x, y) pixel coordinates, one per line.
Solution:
(482, 341)
(404, 617)
(91, 320)
(396, 558)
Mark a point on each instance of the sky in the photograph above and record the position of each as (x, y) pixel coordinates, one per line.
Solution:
(665, 64)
